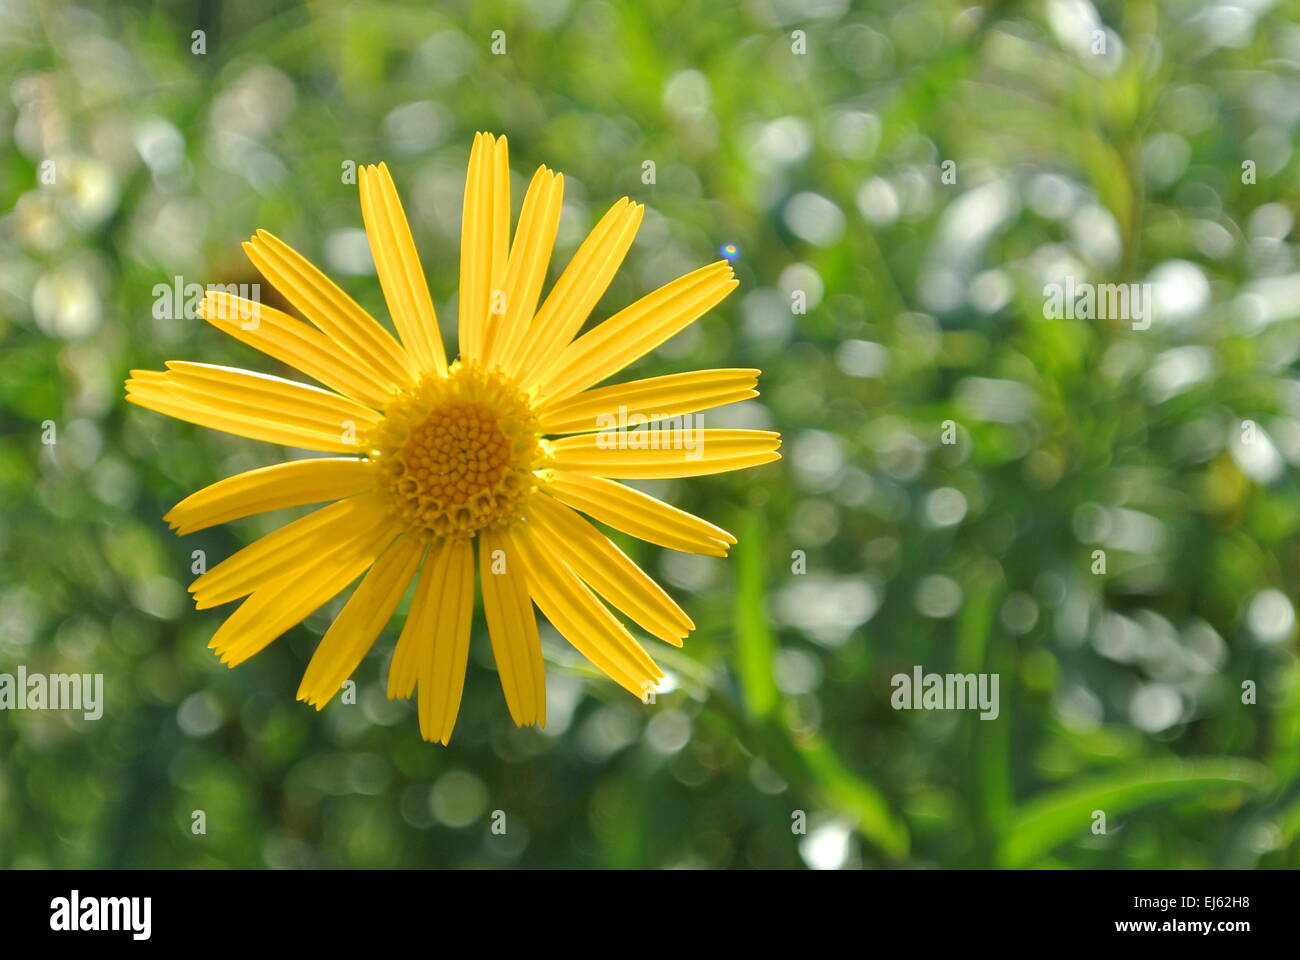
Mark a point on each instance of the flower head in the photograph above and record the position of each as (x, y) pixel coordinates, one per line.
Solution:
(501, 450)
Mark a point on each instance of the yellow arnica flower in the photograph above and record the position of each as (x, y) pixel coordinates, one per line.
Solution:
(508, 445)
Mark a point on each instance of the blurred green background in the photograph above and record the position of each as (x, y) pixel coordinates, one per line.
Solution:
(1172, 450)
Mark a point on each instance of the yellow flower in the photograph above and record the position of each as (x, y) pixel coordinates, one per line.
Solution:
(507, 445)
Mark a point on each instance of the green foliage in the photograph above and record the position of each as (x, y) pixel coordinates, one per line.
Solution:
(1125, 682)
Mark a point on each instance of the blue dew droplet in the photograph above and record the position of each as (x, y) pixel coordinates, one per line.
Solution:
(729, 251)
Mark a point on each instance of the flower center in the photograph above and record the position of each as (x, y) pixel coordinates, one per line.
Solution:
(457, 453)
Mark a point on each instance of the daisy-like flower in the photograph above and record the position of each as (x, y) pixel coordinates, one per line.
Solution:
(508, 445)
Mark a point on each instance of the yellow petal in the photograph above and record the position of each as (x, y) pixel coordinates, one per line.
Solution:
(354, 630)
(665, 453)
(417, 633)
(634, 331)
(526, 270)
(500, 213)
(579, 288)
(434, 645)
(250, 392)
(287, 599)
(302, 418)
(638, 514)
(512, 627)
(580, 617)
(289, 548)
(653, 399)
(484, 238)
(293, 342)
(329, 308)
(611, 573)
(398, 264)
(288, 484)
(442, 667)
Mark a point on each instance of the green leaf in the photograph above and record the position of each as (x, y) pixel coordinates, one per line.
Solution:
(1288, 825)
(755, 648)
(1284, 757)
(809, 762)
(853, 795)
(1061, 815)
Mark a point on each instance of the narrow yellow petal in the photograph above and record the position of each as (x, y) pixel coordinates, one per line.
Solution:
(580, 617)
(500, 214)
(302, 347)
(329, 308)
(579, 289)
(638, 514)
(434, 646)
(398, 265)
(475, 245)
(289, 484)
(512, 627)
(287, 548)
(288, 598)
(675, 452)
(404, 667)
(416, 639)
(634, 331)
(611, 573)
(526, 269)
(442, 664)
(484, 239)
(654, 399)
(354, 630)
(184, 399)
(250, 392)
